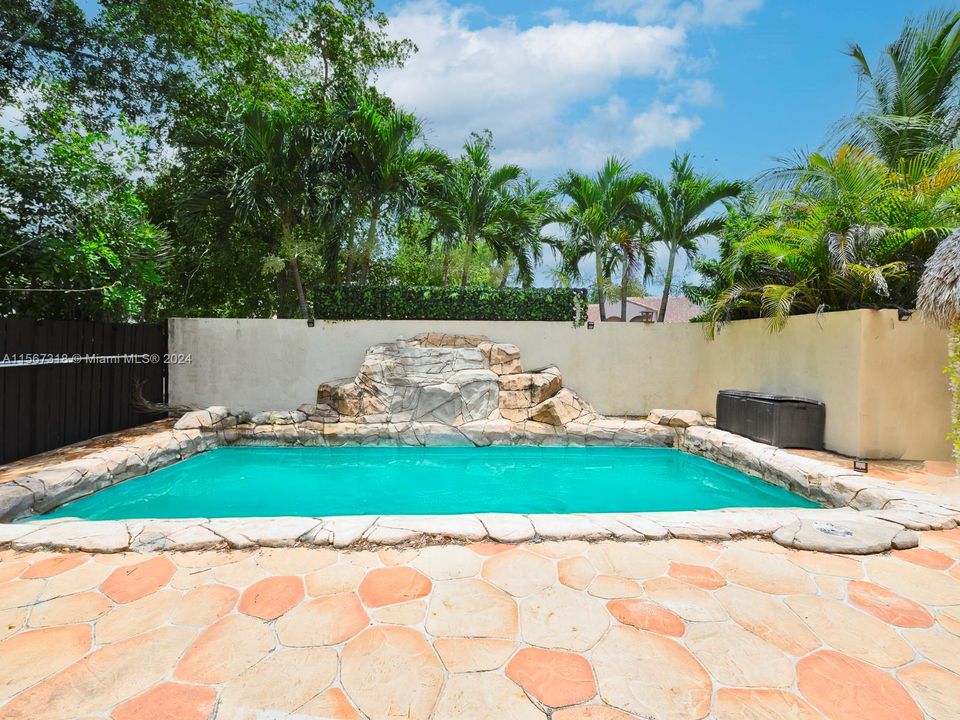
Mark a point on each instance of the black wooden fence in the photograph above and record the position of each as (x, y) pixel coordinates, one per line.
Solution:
(63, 381)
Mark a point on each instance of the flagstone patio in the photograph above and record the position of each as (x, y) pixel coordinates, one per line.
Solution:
(569, 630)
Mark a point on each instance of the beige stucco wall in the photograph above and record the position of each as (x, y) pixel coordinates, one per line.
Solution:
(881, 378)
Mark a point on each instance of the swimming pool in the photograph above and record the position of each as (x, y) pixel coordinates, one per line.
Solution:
(323, 482)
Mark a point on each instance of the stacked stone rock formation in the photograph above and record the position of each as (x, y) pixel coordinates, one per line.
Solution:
(453, 380)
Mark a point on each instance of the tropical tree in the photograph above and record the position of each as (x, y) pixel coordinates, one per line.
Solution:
(493, 206)
(676, 212)
(600, 209)
(848, 232)
(632, 252)
(911, 97)
(391, 173)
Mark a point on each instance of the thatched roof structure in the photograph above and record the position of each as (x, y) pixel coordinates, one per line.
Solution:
(938, 297)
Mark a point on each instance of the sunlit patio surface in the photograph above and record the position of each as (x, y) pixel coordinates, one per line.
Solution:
(568, 630)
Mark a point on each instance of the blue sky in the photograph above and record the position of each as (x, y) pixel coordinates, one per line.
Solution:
(561, 83)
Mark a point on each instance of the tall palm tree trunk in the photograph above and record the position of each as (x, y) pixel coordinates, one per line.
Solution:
(446, 267)
(625, 278)
(371, 241)
(466, 262)
(667, 282)
(301, 297)
(603, 309)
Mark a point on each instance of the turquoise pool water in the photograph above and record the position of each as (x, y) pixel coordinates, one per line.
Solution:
(260, 481)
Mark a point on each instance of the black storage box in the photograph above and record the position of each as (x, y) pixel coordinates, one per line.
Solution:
(773, 419)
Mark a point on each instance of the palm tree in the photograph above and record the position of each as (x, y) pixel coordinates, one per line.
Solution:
(912, 95)
(391, 174)
(675, 215)
(599, 209)
(850, 232)
(481, 203)
(631, 250)
(271, 175)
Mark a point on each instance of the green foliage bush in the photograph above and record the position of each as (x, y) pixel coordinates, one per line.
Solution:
(395, 302)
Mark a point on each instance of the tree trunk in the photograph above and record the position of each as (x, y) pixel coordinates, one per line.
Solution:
(348, 272)
(466, 262)
(301, 297)
(603, 309)
(624, 279)
(667, 282)
(446, 267)
(371, 241)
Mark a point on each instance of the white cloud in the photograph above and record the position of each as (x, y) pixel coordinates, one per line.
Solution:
(526, 84)
(689, 12)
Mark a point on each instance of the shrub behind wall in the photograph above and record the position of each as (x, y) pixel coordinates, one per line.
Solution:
(395, 302)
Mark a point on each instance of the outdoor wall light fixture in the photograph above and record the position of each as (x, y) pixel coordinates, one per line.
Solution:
(311, 322)
(589, 324)
(860, 466)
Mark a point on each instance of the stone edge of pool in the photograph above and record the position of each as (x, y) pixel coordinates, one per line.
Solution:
(862, 514)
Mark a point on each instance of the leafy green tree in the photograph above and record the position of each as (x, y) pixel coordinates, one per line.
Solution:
(391, 174)
(75, 239)
(675, 214)
(911, 97)
(599, 210)
(632, 251)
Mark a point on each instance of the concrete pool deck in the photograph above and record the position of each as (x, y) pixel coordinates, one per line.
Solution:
(670, 630)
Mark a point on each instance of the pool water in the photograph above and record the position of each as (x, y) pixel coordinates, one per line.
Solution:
(317, 482)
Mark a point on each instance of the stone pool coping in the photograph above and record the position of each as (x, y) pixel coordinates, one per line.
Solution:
(862, 514)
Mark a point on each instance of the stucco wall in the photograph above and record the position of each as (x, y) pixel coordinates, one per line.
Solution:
(881, 378)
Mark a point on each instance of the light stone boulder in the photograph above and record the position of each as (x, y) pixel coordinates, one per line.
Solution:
(676, 418)
(564, 407)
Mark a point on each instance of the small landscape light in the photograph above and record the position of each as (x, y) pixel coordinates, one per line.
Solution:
(860, 465)
(311, 322)
(589, 324)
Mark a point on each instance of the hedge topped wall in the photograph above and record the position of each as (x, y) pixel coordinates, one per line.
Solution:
(365, 302)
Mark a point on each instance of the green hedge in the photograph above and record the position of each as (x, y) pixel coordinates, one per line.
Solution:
(396, 302)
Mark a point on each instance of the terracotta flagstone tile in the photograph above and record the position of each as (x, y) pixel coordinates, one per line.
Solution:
(103, 678)
(591, 712)
(554, 677)
(575, 572)
(296, 560)
(562, 618)
(472, 654)
(271, 597)
(647, 615)
(851, 631)
(702, 577)
(768, 618)
(385, 586)
(737, 657)
(34, 654)
(920, 584)
(636, 561)
(490, 548)
(483, 696)
(84, 577)
(78, 608)
(611, 586)
(740, 704)
(20, 593)
(280, 684)
(330, 705)
(205, 605)
(926, 557)
(844, 688)
(773, 574)
(397, 556)
(335, 579)
(938, 647)
(832, 587)
(210, 558)
(827, 564)
(888, 606)
(447, 562)
(391, 672)
(519, 572)
(937, 690)
(949, 619)
(136, 617)
(55, 565)
(11, 621)
(133, 582)
(225, 649)
(169, 701)
(327, 620)
(239, 574)
(9, 570)
(408, 613)
(686, 600)
(557, 550)
(679, 689)
(471, 608)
